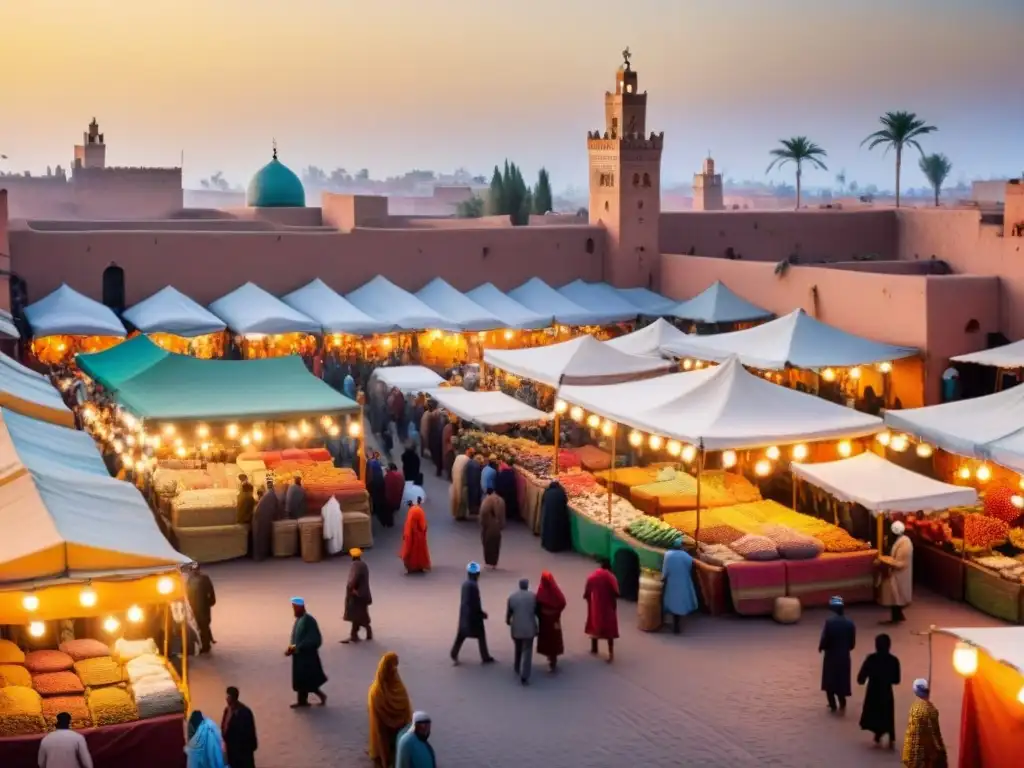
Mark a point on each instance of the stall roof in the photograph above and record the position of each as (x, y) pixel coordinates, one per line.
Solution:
(29, 393)
(647, 301)
(718, 304)
(411, 379)
(332, 311)
(600, 297)
(583, 360)
(511, 313)
(382, 299)
(722, 407)
(179, 387)
(7, 326)
(170, 311)
(43, 446)
(989, 427)
(66, 312)
(881, 486)
(250, 310)
(1004, 644)
(457, 307)
(650, 340)
(540, 297)
(796, 340)
(1006, 356)
(486, 408)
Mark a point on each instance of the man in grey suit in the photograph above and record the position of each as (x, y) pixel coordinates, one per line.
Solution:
(521, 617)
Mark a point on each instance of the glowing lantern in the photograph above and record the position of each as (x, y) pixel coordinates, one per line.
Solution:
(728, 459)
(885, 367)
(576, 413)
(924, 450)
(561, 406)
(983, 473)
(655, 442)
(855, 373)
(232, 431)
(202, 431)
(135, 614)
(828, 374)
(30, 603)
(883, 438)
(687, 365)
(509, 335)
(37, 629)
(763, 468)
(674, 447)
(293, 434)
(636, 439)
(593, 421)
(799, 452)
(689, 453)
(354, 429)
(87, 598)
(111, 625)
(845, 448)
(165, 585)
(900, 443)
(965, 659)
(607, 428)
(964, 473)
(773, 453)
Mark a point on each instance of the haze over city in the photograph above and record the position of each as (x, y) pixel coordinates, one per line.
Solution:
(393, 86)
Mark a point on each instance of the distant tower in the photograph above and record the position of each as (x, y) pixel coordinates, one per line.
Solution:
(707, 188)
(625, 184)
(92, 152)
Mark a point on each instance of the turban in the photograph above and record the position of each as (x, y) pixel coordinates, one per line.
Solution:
(898, 528)
(473, 568)
(921, 687)
(835, 601)
(420, 717)
(298, 601)
(355, 552)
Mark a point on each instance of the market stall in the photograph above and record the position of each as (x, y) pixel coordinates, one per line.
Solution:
(602, 298)
(29, 393)
(65, 323)
(408, 379)
(717, 306)
(649, 303)
(991, 660)
(178, 324)
(1007, 359)
(538, 296)
(347, 329)
(831, 360)
(476, 323)
(486, 408)
(266, 325)
(512, 314)
(649, 341)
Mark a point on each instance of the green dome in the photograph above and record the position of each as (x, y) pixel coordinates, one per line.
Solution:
(275, 186)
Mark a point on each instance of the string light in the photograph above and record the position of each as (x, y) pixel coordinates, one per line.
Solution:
(674, 448)
(855, 373)
(899, 443)
(304, 427)
(204, 447)
(799, 452)
(168, 430)
(773, 453)
(965, 659)
(561, 406)
(828, 374)
(87, 597)
(333, 430)
(689, 453)
(593, 421)
(763, 468)
(37, 629)
(111, 625)
(964, 473)
(154, 442)
(165, 585)
(180, 452)
(118, 446)
(687, 365)
(246, 439)
(30, 603)
(698, 364)
(257, 436)
(728, 459)
(135, 614)
(202, 431)
(655, 442)
(924, 450)
(232, 431)
(885, 367)
(354, 430)
(883, 438)
(607, 428)
(983, 473)
(576, 413)
(178, 442)
(293, 434)
(509, 335)
(635, 439)
(845, 448)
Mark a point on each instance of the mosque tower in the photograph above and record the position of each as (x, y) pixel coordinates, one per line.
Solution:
(707, 188)
(625, 184)
(92, 152)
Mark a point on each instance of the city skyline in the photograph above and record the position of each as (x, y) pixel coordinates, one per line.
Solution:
(392, 87)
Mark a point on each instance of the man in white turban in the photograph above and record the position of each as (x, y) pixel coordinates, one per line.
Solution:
(898, 580)
(414, 750)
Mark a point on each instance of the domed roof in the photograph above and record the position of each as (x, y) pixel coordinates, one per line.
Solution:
(275, 186)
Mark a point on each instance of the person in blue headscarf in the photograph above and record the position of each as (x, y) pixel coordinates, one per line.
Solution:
(205, 748)
(348, 386)
(679, 597)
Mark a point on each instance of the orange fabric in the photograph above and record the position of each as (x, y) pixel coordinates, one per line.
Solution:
(992, 723)
(415, 553)
(389, 708)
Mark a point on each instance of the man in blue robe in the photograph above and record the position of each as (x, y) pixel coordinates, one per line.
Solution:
(679, 597)
(414, 750)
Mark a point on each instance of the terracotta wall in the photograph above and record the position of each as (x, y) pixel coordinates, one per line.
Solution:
(110, 193)
(774, 235)
(206, 265)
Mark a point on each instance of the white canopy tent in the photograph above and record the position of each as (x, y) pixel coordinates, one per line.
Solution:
(1004, 644)
(718, 304)
(540, 297)
(647, 301)
(881, 486)
(486, 408)
(66, 312)
(332, 311)
(457, 307)
(408, 378)
(385, 301)
(1006, 356)
(721, 408)
(600, 297)
(251, 311)
(650, 340)
(511, 313)
(795, 340)
(583, 360)
(989, 427)
(7, 326)
(170, 311)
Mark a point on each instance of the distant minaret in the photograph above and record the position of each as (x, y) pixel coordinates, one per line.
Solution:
(92, 152)
(707, 188)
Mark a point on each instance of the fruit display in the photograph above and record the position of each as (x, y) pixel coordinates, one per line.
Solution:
(999, 503)
(578, 483)
(534, 458)
(650, 530)
(1016, 537)
(838, 541)
(930, 529)
(596, 508)
(981, 531)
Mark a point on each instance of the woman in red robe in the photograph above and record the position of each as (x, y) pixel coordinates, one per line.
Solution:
(394, 489)
(550, 604)
(415, 553)
(602, 594)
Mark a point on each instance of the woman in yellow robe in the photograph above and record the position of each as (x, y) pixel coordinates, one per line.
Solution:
(922, 744)
(390, 710)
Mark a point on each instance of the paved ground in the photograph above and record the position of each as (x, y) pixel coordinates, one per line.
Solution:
(728, 692)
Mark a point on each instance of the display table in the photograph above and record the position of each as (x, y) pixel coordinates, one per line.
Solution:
(755, 585)
(155, 743)
(938, 570)
(850, 575)
(589, 537)
(712, 587)
(990, 593)
(650, 557)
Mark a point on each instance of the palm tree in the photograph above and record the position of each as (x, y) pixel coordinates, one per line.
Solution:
(798, 150)
(936, 168)
(900, 129)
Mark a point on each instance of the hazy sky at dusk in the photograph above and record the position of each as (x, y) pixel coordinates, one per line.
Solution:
(396, 84)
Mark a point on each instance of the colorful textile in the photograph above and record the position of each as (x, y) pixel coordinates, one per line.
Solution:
(415, 553)
(602, 593)
(389, 708)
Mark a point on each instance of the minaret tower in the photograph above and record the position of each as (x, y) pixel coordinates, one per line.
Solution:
(92, 152)
(707, 188)
(625, 184)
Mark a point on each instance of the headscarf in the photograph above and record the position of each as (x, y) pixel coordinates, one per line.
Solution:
(473, 567)
(298, 601)
(548, 593)
(205, 748)
(921, 688)
(898, 528)
(388, 697)
(420, 717)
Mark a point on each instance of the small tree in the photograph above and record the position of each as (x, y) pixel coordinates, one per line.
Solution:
(936, 168)
(473, 208)
(496, 195)
(542, 198)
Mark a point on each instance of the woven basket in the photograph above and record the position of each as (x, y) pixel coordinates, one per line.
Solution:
(286, 538)
(311, 539)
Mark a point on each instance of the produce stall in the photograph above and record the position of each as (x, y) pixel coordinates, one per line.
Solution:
(65, 323)
(267, 326)
(487, 409)
(178, 324)
(991, 660)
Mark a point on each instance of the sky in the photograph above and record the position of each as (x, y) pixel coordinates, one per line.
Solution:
(392, 85)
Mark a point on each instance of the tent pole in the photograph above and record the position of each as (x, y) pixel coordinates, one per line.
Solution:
(700, 468)
(795, 481)
(184, 634)
(880, 526)
(167, 628)
(611, 476)
(558, 437)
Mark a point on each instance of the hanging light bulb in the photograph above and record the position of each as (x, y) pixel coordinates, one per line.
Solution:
(924, 450)
(293, 434)
(674, 448)
(845, 448)
(304, 427)
(111, 625)
(232, 431)
(983, 473)
(773, 453)
(180, 452)
(885, 367)
(655, 442)
(87, 597)
(689, 453)
(828, 374)
(883, 438)
(135, 614)
(687, 365)
(900, 443)
(561, 407)
(576, 413)
(593, 421)
(728, 459)
(607, 428)
(354, 429)
(202, 431)
(965, 659)
(257, 436)
(30, 603)
(37, 629)
(333, 430)
(636, 439)
(165, 585)
(168, 430)
(964, 473)
(246, 439)
(763, 468)
(855, 373)
(799, 452)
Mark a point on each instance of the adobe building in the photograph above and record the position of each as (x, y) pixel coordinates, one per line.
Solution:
(707, 188)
